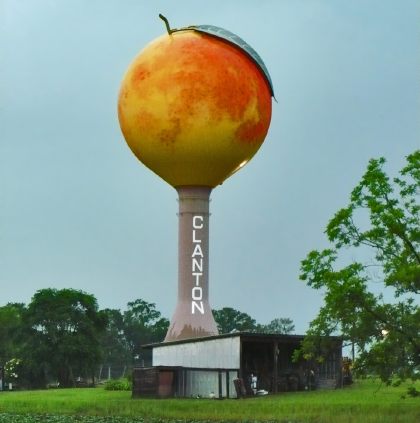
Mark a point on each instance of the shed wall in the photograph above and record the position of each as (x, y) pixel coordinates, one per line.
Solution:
(212, 354)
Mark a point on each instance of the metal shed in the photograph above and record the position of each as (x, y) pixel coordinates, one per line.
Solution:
(208, 366)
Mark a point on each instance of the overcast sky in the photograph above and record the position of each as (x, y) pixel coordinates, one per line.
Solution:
(78, 210)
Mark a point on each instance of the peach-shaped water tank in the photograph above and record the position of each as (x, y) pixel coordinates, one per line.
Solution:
(195, 105)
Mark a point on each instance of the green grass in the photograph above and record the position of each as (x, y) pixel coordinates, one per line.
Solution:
(364, 402)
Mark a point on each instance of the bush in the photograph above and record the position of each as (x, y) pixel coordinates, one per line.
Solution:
(412, 392)
(118, 385)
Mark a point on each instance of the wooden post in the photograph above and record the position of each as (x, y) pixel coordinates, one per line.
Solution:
(227, 384)
(275, 370)
(220, 385)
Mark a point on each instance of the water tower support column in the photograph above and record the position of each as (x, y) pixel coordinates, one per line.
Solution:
(193, 317)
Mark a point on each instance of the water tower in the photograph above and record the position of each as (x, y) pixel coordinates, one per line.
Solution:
(194, 107)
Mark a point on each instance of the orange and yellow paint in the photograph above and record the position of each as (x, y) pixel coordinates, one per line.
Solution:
(194, 108)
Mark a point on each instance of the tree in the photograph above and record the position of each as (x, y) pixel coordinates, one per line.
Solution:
(282, 325)
(143, 324)
(385, 326)
(10, 328)
(114, 345)
(228, 320)
(63, 329)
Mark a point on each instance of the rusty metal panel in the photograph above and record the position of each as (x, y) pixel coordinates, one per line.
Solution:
(145, 382)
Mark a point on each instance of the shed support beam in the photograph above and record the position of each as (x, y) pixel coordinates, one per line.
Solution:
(275, 369)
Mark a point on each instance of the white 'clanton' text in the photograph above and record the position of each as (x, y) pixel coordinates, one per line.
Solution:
(197, 258)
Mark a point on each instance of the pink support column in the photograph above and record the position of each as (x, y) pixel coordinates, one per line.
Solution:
(193, 317)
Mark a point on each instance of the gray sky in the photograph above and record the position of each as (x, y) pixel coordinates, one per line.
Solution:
(78, 210)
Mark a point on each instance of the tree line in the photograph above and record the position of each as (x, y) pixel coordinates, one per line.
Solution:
(63, 336)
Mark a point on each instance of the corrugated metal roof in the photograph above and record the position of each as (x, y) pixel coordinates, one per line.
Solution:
(242, 335)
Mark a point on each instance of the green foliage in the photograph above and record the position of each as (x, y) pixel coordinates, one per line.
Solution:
(122, 384)
(114, 344)
(63, 329)
(282, 326)
(61, 335)
(413, 392)
(143, 324)
(126, 332)
(45, 418)
(10, 331)
(385, 332)
(367, 401)
(228, 320)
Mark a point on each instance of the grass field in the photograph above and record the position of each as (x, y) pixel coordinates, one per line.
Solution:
(364, 402)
